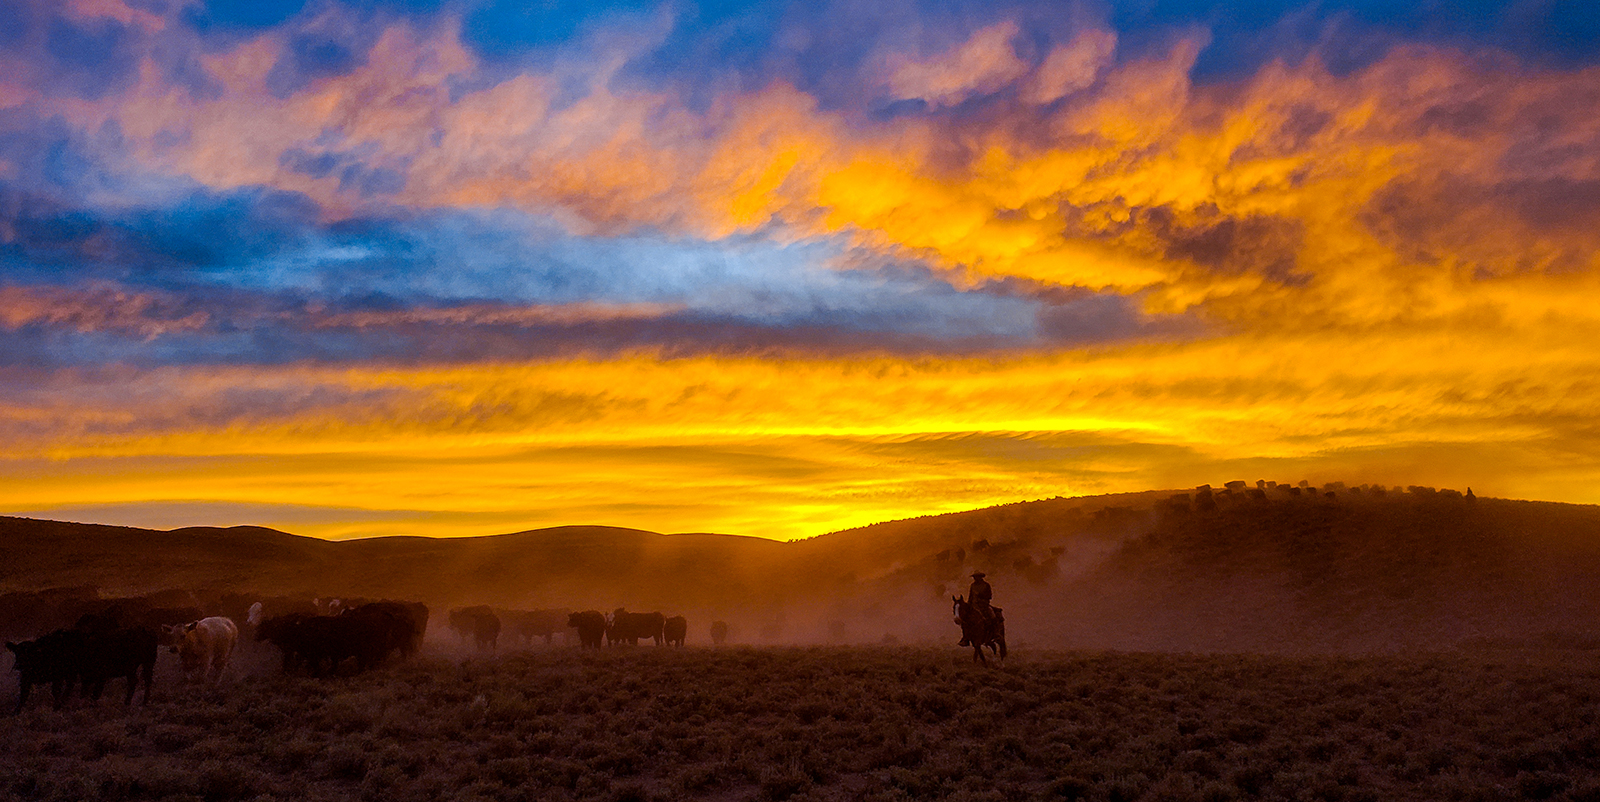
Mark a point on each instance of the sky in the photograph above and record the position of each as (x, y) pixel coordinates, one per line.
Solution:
(780, 269)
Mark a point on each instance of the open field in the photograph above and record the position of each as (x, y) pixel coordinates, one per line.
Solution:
(838, 723)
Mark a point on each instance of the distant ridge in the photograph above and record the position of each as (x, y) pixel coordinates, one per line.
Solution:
(1333, 569)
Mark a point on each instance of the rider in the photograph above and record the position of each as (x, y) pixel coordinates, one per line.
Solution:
(979, 596)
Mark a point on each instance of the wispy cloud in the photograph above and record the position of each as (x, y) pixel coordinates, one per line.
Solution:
(1160, 241)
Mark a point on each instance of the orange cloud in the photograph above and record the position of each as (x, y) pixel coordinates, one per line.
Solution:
(1135, 181)
(1395, 267)
(495, 315)
(1072, 67)
(984, 63)
(113, 9)
(96, 308)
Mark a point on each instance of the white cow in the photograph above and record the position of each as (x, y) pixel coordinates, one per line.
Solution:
(204, 646)
(254, 617)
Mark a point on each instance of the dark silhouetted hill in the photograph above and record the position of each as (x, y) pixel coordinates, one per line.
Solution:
(1275, 569)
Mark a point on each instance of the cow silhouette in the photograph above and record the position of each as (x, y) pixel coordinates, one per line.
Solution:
(675, 629)
(478, 623)
(591, 626)
(630, 627)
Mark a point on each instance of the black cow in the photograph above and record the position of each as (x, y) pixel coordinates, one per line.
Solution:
(675, 629)
(65, 657)
(53, 659)
(326, 641)
(322, 642)
(419, 614)
(719, 632)
(308, 639)
(124, 653)
(402, 623)
(591, 626)
(274, 607)
(630, 627)
(284, 632)
(419, 622)
(479, 623)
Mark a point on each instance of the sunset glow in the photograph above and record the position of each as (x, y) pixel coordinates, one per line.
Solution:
(368, 270)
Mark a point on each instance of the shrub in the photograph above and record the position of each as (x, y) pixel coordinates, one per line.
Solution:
(383, 784)
(172, 737)
(631, 792)
(827, 723)
(227, 780)
(780, 783)
(1069, 788)
(345, 761)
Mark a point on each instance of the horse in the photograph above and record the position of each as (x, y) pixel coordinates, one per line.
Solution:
(977, 631)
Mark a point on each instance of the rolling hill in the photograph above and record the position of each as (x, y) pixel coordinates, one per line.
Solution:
(1240, 569)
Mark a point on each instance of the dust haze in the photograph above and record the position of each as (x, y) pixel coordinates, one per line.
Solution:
(1242, 567)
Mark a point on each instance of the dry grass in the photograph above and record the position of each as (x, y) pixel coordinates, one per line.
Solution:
(839, 723)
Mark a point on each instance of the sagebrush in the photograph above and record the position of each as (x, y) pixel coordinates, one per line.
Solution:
(838, 723)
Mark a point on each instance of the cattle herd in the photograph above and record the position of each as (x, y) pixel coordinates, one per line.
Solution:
(596, 628)
(88, 640)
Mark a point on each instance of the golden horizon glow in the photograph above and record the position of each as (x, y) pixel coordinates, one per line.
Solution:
(802, 447)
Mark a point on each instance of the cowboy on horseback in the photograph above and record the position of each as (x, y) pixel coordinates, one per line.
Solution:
(979, 596)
